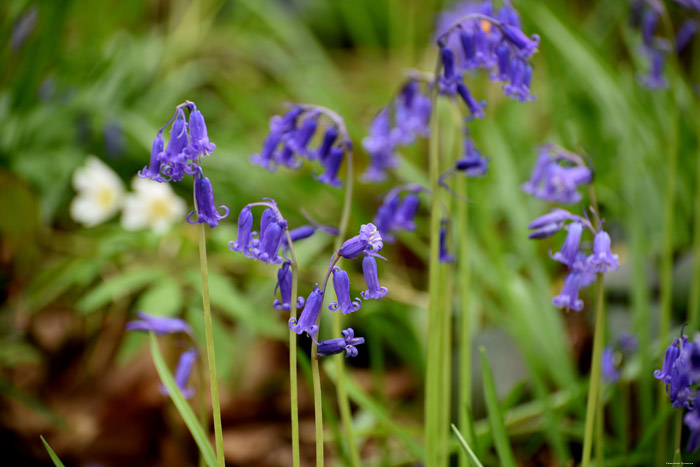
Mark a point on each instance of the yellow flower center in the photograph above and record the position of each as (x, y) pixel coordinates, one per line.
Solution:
(105, 197)
(160, 209)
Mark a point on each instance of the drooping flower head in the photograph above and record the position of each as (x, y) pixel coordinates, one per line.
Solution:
(309, 316)
(679, 373)
(557, 175)
(368, 242)
(284, 284)
(345, 344)
(183, 371)
(266, 245)
(341, 284)
(206, 210)
(374, 290)
(397, 213)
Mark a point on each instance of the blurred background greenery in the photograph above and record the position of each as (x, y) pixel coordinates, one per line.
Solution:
(80, 78)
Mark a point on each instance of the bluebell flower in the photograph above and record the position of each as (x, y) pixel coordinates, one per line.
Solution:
(303, 136)
(602, 259)
(280, 128)
(676, 373)
(650, 20)
(309, 315)
(329, 138)
(284, 284)
(628, 343)
(520, 79)
(332, 166)
(369, 268)
(341, 284)
(380, 147)
(692, 421)
(160, 325)
(185, 365)
(655, 79)
(503, 63)
(550, 223)
(174, 160)
(199, 137)
(685, 33)
(411, 114)
(472, 164)
(524, 46)
(568, 298)
(406, 213)
(607, 365)
(206, 211)
(445, 256)
(345, 344)
(551, 181)
(266, 157)
(384, 219)
(448, 82)
(476, 108)
(152, 170)
(270, 242)
(570, 249)
(368, 242)
(245, 225)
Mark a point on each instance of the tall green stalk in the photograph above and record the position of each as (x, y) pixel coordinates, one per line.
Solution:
(694, 297)
(594, 386)
(293, 394)
(432, 382)
(340, 387)
(209, 337)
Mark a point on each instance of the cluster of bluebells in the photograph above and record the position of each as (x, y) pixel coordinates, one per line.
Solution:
(614, 355)
(472, 164)
(397, 125)
(582, 265)
(367, 244)
(188, 143)
(557, 175)
(397, 213)
(265, 245)
(161, 326)
(287, 143)
(646, 15)
(680, 373)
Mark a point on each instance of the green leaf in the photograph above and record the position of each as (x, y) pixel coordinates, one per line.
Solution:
(677, 457)
(163, 298)
(117, 287)
(470, 454)
(498, 428)
(56, 461)
(188, 416)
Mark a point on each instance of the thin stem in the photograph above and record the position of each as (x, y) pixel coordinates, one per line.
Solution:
(432, 383)
(679, 430)
(694, 298)
(600, 429)
(594, 387)
(209, 337)
(340, 386)
(318, 406)
(293, 395)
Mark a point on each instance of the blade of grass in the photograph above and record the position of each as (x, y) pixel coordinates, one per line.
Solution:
(183, 407)
(56, 461)
(498, 428)
(467, 450)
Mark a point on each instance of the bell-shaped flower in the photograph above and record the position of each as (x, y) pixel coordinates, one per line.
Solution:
(550, 223)
(608, 368)
(503, 62)
(520, 78)
(206, 211)
(268, 248)
(466, 39)
(345, 344)
(602, 259)
(369, 268)
(569, 250)
(655, 79)
(525, 46)
(309, 315)
(185, 365)
(199, 137)
(341, 284)
(692, 421)
(266, 157)
(152, 170)
(445, 256)
(245, 225)
(369, 242)
(476, 109)
(406, 213)
(472, 164)
(380, 147)
(671, 355)
(332, 166)
(568, 298)
(329, 137)
(174, 160)
(159, 325)
(384, 219)
(284, 284)
(303, 136)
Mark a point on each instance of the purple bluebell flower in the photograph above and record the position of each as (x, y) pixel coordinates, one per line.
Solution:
(309, 315)
(206, 211)
(303, 136)
(174, 161)
(270, 243)
(539, 172)
(332, 166)
(199, 138)
(368, 242)
(445, 256)
(476, 108)
(607, 365)
(655, 79)
(602, 259)
(281, 128)
(266, 157)
(286, 155)
(380, 148)
(448, 82)
(520, 77)
(384, 219)
(411, 114)
(329, 138)
(676, 373)
(569, 250)
(152, 170)
(185, 365)
(686, 33)
(503, 62)
(627, 342)
(23, 27)
(159, 325)
(341, 284)
(369, 268)
(557, 183)
(692, 421)
(345, 344)
(472, 164)
(650, 20)
(568, 298)
(406, 213)
(525, 46)
(284, 284)
(245, 225)
(671, 355)
(550, 223)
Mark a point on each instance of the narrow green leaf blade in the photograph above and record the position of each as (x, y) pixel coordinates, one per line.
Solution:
(56, 461)
(498, 428)
(182, 405)
(470, 454)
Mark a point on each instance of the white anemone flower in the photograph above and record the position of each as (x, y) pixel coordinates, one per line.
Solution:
(100, 193)
(153, 205)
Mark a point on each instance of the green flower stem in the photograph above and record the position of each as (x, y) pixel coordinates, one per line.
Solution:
(209, 337)
(432, 379)
(694, 297)
(679, 430)
(293, 394)
(340, 387)
(318, 406)
(594, 387)
(600, 429)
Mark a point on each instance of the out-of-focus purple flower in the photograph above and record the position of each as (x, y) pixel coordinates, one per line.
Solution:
(607, 365)
(369, 268)
(503, 62)
(569, 250)
(406, 213)
(449, 81)
(152, 170)
(206, 211)
(676, 373)
(302, 137)
(692, 421)
(557, 183)
(380, 148)
(309, 316)
(281, 127)
(568, 298)
(602, 259)
(524, 46)
(411, 114)
(341, 284)
(445, 256)
(114, 138)
(550, 223)
(476, 108)
(384, 219)
(650, 20)
(159, 325)
(332, 166)
(686, 33)
(368, 242)
(655, 79)
(23, 27)
(199, 137)
(472, 164)
(284, 283)
(245, 225)
(329, 138)
(345, 344)
(627, 342)
(266, 157)
(690, 4)
(520, 79)
(185, 365)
